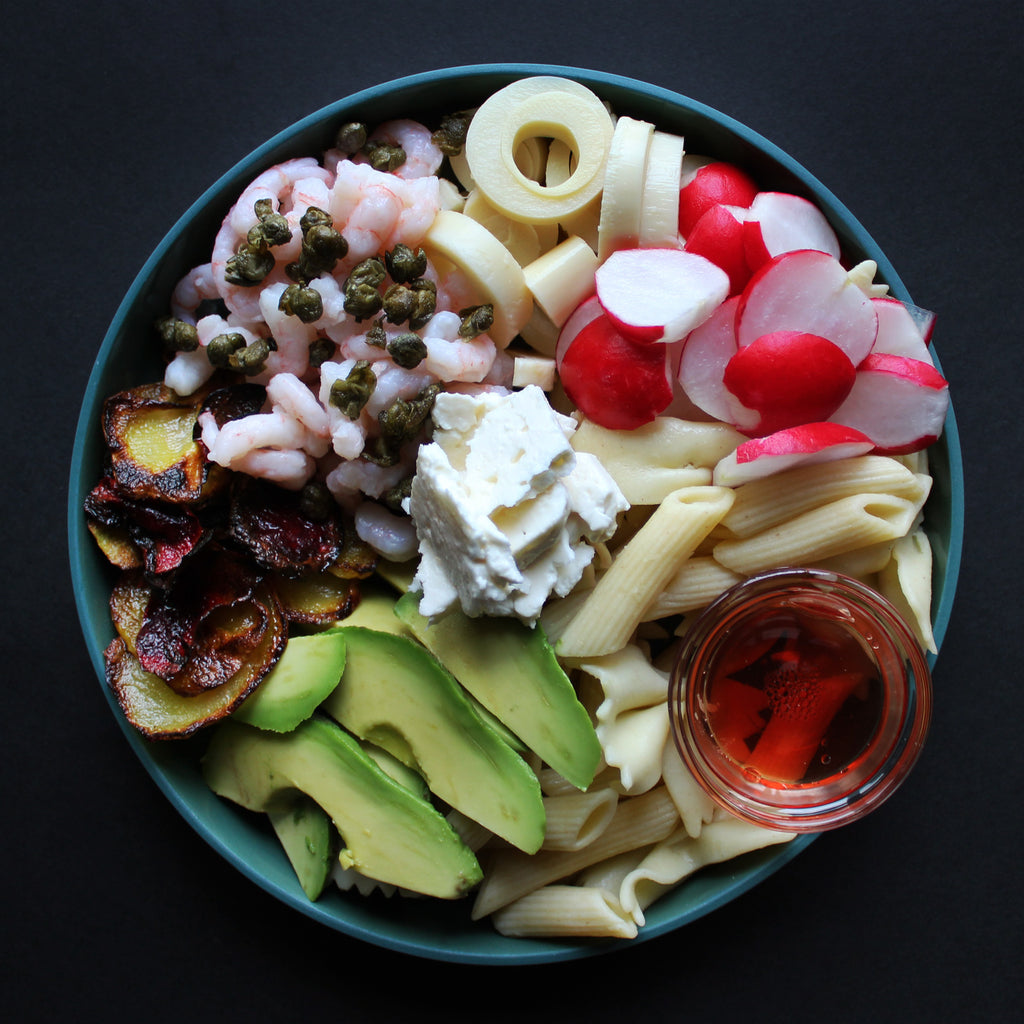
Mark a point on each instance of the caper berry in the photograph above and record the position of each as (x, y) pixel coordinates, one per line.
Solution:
(177, 335)
(384, 156)
(476, 320)
(305, 303)
(407, 350)
(351, 137)
(352, 393)
(404, 265)
(249, 266)
(220, 349)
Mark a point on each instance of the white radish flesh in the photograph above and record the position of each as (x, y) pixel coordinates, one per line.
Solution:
(779, 222)
(900, 330)
(803, 445)
(659, 295)
(808, 291)
(899, 403)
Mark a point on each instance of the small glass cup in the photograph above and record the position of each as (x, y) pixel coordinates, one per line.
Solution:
(802, 652)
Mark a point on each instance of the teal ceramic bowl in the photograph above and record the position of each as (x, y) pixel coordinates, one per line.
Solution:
(434, 929)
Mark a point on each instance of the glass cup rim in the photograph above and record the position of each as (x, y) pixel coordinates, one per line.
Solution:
(808, 807)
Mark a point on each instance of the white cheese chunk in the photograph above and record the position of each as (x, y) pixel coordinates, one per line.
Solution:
(505, 511)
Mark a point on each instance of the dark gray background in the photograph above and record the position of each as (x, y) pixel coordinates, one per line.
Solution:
(116, 116)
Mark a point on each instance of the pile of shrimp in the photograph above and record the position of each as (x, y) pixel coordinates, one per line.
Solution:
(299, 435)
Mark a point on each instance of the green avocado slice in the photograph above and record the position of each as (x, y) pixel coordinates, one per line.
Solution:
(512, 671)
(306, 672)
(307, 835)
(389, 833)
(395, 694)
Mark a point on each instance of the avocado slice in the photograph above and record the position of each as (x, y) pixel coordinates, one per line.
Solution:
(309, 669)
(389, 833)
(395, 694)
(511, 669)
(307, 835)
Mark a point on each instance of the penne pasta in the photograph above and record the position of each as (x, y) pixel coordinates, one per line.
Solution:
(762, 504)
(511, 874)
(697, 583)
(654, 460)
(681, 854)
(575, 820)
(845, 525)
(633, 743)
(907, 582)
(695, 807)
(566, 910)
(615, 607)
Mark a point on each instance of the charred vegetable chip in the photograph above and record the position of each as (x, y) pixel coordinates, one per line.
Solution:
(269, 522)
(149, 431)
(356, 560)
(164, 534)
(160, 713)
(316, 600)
(176, 621)
(234, 401)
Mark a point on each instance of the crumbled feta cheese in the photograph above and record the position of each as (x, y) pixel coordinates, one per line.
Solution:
(505, 510)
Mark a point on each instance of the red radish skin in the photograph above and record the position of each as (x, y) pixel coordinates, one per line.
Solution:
(589, 309)
(614, 381)
(778, 222)
(713, 184)
(789, 378)
(902, 330)
(807, 291)
(900, 403)
(659, 295)
(718, 236)
(808, 443)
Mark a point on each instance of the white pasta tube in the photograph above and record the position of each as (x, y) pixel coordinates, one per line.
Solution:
(510, 874)
(680, 855)
(566, 910)
(633, 743)
(627, 679)
(642, 569)
(575, 820)
(907, 582)
(697, 583)
(655, 459)
(695, 807)
(840, 526)
(762, 504)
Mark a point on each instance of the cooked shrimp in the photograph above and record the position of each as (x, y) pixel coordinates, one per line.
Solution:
(198, 284)
(286, 392)
(451, 358)
(187, 372)
(422, 156)
(292, 336)
(392, 536)
(276, 184)
(291, 469)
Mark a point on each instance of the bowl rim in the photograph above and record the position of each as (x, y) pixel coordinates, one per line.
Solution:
(507, 952)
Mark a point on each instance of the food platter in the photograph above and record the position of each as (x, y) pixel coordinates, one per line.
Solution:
(429, 928)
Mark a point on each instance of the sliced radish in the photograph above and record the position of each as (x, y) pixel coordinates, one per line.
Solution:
(807, 291)
(718, 236)
(779, 222)
(706, 353)
(659, 295)
(712, 184)
(589, 309)
(901, 330)
(900, 403)
(614, 381)
(789, 378)
(810, 442)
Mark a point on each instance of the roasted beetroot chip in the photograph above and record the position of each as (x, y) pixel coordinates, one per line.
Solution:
(165, 534)
(270, 523)
(174, 618)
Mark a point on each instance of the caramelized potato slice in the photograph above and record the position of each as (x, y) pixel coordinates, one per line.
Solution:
(316, 599)
(154, 456)
(160, 713)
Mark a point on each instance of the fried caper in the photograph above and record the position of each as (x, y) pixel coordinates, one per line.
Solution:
(249, 266)
(404, 265)
(407, 350)
(177, 335)
(476, 320)
(450, 136)
(221, 348)
(353, 392)
(303, 302)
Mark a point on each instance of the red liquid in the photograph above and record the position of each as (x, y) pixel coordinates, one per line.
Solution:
(794, 697)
